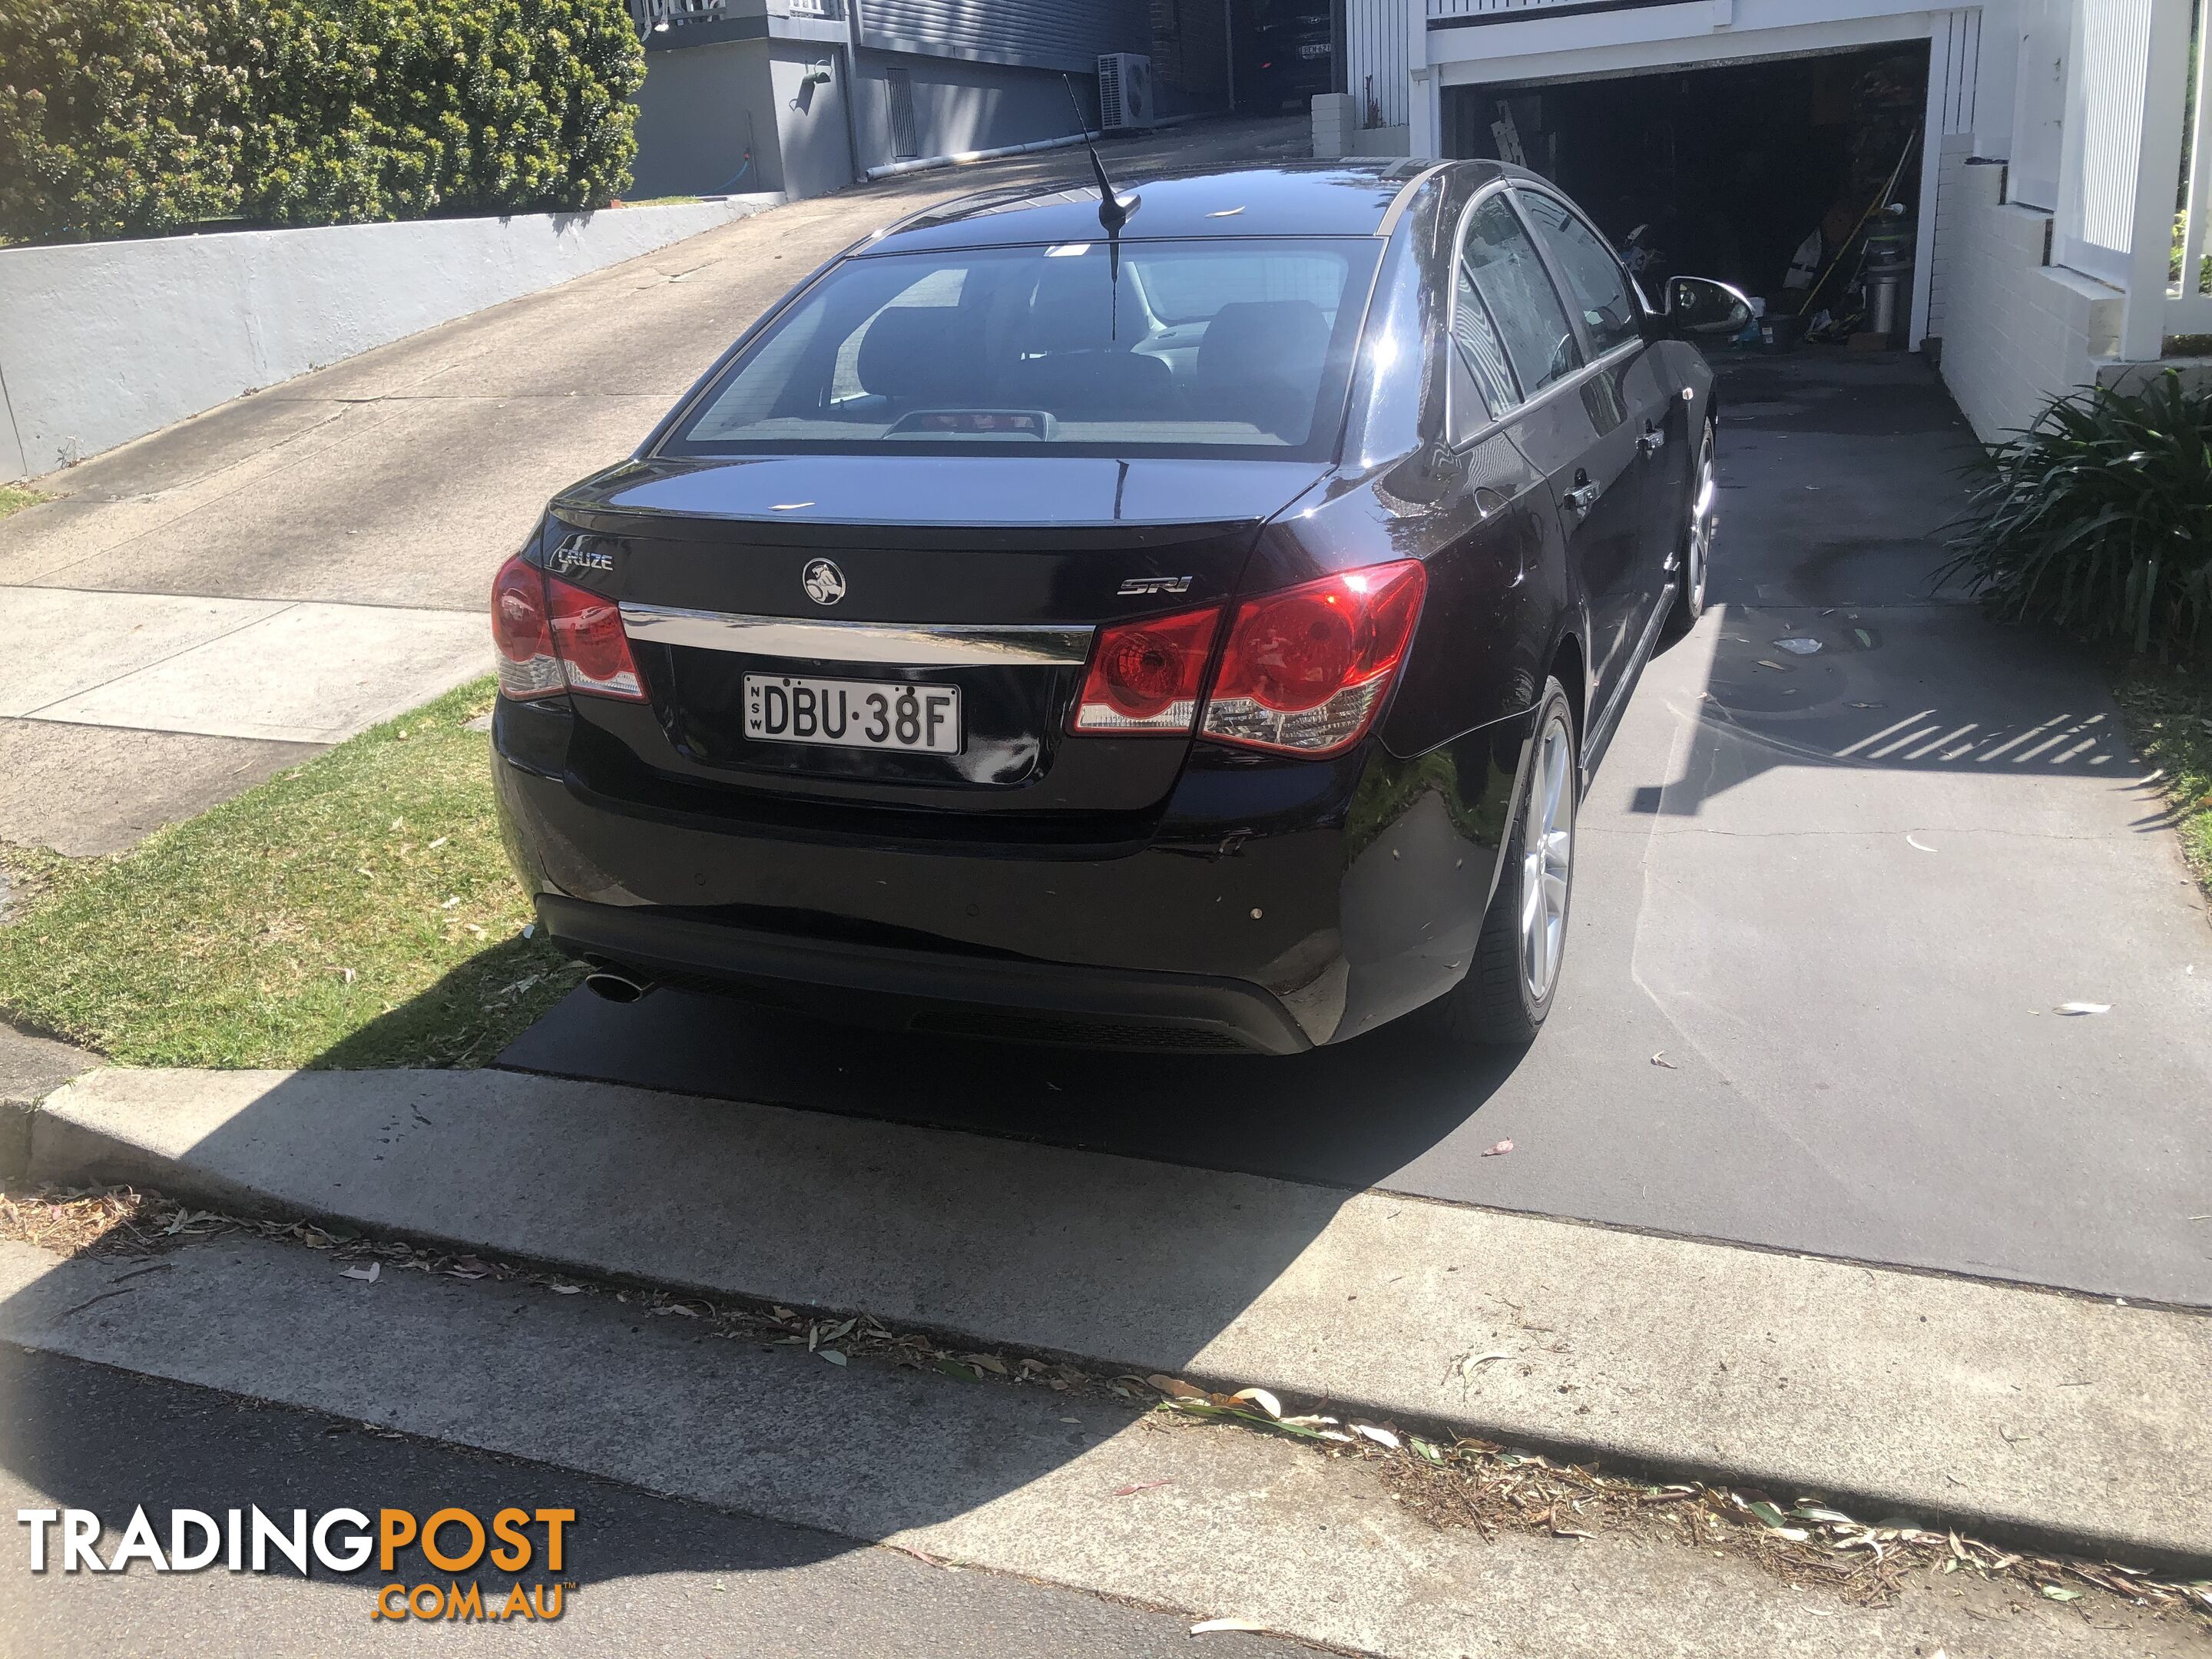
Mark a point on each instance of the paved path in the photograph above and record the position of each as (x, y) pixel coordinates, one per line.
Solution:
(1841, 893)
(211, 604)
(658, 1433)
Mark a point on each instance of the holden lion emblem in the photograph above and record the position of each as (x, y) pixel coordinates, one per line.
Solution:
(823, 582)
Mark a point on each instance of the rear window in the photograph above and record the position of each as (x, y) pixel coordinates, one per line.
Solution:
(1199, 347)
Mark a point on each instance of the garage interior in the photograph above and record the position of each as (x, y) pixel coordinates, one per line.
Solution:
(1728, 171)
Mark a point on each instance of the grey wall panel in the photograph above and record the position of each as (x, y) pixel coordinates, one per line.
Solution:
(818, 153)
(1063, 34)
(964, 106)
(698, 111)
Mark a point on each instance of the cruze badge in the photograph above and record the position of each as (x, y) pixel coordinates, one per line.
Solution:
(1136, 586)
(577, 554)
(823, 582)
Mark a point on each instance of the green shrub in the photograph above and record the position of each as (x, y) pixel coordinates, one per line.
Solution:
(121, 118)
(2099, 517)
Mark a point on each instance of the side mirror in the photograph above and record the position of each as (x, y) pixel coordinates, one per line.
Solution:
(1698, 305)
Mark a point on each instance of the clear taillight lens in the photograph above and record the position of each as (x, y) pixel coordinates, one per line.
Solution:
(527, 667)
(1145, 676)
(553, 637)
(1304, 670)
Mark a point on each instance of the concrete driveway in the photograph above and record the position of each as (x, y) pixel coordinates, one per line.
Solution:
(1829, 903)
(210, 605)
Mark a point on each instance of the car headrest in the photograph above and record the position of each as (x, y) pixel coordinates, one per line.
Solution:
(1255, 350)
(913, 355)
(1070, 309)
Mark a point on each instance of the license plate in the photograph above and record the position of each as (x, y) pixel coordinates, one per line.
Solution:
(1313, 48)
(853, 714)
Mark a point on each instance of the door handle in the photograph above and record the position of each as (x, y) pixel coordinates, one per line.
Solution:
(1653, 440)
(1581, 498)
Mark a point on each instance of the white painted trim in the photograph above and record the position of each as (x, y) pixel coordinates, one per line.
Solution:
(1940, 94)
(1677, 52)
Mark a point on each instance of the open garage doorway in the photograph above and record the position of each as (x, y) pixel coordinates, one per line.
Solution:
(1777, 175)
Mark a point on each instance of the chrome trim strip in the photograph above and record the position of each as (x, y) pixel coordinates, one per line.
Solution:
(1403, 200)
(906, 645)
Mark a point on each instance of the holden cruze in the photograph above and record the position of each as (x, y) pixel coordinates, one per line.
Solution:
(1181, 620)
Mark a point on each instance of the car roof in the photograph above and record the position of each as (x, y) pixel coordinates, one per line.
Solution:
(1352, 198)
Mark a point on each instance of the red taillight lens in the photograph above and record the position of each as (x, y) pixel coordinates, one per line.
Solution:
(588, 637)
(527, 667)
(1145, 676)
(1304, 670)
(553, 637)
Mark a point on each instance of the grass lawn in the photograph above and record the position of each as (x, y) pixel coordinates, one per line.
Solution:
(13, 498)
(2169, 712)
(355, 911)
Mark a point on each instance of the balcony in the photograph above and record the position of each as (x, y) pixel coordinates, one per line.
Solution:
(800, 19)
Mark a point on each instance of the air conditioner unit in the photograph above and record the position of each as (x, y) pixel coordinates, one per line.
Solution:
(1125, 90)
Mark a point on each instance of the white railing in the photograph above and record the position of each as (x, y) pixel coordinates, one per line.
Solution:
(2112, 130)
(651, 13)
(2189, 306)
(1479, 7)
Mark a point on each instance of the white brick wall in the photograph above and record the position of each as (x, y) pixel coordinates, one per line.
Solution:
(2015, 330)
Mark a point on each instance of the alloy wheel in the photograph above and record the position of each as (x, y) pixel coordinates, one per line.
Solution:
(1548, 851)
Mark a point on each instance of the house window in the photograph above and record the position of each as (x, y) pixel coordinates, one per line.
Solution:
(901, 91)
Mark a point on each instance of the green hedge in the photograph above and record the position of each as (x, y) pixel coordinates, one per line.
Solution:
(122, 118)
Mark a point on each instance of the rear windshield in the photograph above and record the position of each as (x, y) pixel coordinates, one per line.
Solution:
(1197, 346)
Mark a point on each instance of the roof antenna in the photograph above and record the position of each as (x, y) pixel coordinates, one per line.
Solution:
(1113, 210)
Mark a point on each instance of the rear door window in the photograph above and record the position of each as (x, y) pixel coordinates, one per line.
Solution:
(1595, 279)
(1476, 337)
(1507, 270)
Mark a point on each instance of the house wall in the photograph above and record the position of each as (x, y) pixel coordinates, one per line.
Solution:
(2016, 330)
(967, 105)
(1065, 35)
(700, 108)
(811, 131)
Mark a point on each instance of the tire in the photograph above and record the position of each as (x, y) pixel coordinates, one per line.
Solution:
(1509, 988)
(1694, 555)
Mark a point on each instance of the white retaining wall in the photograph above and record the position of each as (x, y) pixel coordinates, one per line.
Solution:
(104, 341)
(2015, 329)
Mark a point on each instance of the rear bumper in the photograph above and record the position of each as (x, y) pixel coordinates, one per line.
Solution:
(1268, 909)
(931, 990)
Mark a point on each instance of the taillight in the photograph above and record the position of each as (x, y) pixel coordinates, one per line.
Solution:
(1304, 670)
(588, 637)
(527, 667)
(1145, 676)
(554, 636)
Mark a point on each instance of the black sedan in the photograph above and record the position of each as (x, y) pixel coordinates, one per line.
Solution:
(1183, 619)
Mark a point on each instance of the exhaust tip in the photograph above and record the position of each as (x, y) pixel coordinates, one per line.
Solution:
(616, 987)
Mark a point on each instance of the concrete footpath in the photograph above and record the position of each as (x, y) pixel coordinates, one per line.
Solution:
(1022, 1483)
(2047, 1417)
